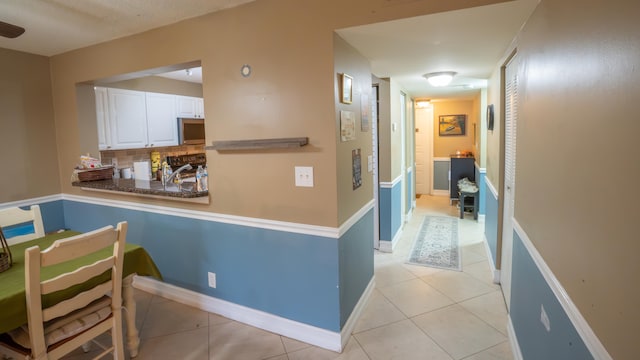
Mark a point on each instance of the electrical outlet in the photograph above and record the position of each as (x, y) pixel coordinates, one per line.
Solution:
(212, 279)
(544, 319)
(114, 162)
(304, 176)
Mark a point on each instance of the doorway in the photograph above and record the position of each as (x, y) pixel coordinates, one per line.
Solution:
(423, 147)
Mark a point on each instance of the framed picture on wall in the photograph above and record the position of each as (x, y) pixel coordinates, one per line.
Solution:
(452, 125)
(346, 89)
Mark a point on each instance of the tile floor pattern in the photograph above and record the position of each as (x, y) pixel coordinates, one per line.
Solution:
(415, 312)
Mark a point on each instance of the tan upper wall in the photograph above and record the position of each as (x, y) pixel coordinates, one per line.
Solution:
(577, 142)
(444, 146)
(352, 63)
(494, 139)
(27, 133)
(289, 45)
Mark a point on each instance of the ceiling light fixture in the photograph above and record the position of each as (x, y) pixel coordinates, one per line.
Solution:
(441, 78)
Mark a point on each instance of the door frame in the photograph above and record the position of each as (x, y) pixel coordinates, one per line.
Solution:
(375, 119)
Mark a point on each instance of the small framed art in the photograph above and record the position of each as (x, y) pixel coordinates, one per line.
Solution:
(346, 89)
(452, 125)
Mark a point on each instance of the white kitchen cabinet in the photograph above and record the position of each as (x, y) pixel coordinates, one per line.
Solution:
(128, 119)
(162, 124)
(190, 107)
(102, 117)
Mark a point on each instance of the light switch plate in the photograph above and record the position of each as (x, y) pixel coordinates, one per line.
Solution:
(370, 163)
(304, 176)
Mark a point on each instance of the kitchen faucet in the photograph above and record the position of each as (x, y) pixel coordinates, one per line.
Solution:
(175, 174)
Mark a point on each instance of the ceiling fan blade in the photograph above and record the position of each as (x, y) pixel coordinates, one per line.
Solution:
(10, 31)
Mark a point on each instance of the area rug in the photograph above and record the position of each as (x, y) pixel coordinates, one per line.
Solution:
(436, 244)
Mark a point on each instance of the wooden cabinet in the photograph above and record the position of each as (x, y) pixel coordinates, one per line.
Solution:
(190, 107)
(461, 167)
(129, 119)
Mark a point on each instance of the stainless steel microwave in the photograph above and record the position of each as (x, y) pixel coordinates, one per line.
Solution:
(191, 131)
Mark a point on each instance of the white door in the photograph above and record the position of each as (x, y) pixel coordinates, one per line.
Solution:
(423, 129)
(511, 117)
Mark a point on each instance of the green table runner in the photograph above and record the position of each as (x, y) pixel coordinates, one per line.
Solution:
(13, 308)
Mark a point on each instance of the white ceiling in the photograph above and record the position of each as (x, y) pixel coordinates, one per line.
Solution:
(56, 26)
(469, 41)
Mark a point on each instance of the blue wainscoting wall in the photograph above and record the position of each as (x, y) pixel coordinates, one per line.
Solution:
(410, 192)
(356, 264)
(480, 180)
(441, 174)
(529, 293)
(292, 275)
(52, 215)
(390, 209)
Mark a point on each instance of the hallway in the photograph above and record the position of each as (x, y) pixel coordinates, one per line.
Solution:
(419, 312)
(414, 312)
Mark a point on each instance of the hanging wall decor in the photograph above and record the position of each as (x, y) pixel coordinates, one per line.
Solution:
(452, 125)
(346, 89)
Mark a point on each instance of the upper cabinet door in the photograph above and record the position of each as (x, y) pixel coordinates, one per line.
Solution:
(200, 108)
(102, 116)
(128, 117)
(162, 122)
(190, 107)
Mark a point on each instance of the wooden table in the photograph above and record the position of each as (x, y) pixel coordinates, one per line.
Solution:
(13, 308)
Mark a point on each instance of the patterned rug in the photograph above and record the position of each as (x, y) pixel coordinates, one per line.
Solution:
(436, 244)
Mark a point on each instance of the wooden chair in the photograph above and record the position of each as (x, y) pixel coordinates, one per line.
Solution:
(54, 331)
(15, 216)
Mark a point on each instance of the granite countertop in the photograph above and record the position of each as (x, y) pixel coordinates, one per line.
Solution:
(145, 187)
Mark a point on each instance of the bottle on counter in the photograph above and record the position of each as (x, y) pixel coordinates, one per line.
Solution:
(199, 176)
(205, 179)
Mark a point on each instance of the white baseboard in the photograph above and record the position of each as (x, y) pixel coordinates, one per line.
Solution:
(481, 218)
(296, 330)
(388, 246)
(494, 271)
(513, 340)
(350, 325)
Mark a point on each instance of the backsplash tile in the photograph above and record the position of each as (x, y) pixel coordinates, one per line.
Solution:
(126, 158)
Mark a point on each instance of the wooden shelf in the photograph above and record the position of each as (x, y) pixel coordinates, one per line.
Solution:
(257, 144)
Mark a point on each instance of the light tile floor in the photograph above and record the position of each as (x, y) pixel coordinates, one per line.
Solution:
(415, 312)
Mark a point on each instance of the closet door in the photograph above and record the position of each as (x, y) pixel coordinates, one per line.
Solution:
(511, 116)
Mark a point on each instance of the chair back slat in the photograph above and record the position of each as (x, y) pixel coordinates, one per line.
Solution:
(78, 276)
(79, 301)
(77, 246)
